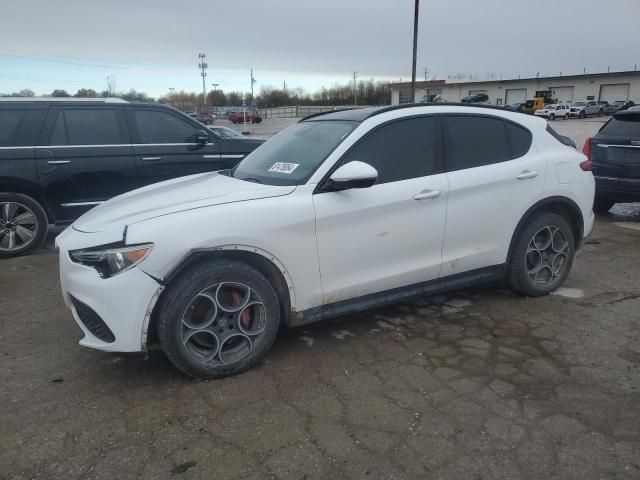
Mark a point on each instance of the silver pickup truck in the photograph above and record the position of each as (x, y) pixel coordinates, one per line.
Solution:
(588, 107)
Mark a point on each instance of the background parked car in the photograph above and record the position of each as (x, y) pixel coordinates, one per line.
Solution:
(205, 117)
(239, 117)
(618, 106)
(553, 111)
(516, 107)
(615, 156)
(583, 109)
(60, 157)
(475, 98)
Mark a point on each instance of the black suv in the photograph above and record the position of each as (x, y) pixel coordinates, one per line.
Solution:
(60, 157)
(615, 156)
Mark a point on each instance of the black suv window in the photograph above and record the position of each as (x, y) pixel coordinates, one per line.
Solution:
(623, 125)
(474, 140)
(399, 150)
(87, 127)
(155, 126)
(10, 120)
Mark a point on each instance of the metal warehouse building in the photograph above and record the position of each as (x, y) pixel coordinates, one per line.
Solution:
(569, 88)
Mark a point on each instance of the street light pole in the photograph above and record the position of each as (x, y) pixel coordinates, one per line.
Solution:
(203, 66)
(415, 51)
(215, 86)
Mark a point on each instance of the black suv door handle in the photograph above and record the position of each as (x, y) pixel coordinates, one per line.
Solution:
(58, 162)
(151, 159)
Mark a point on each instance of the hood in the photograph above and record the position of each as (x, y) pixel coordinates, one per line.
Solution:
(172, 196)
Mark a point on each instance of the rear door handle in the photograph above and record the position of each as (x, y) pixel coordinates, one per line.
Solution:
(58, 162)
(425, 194)
(151, 159)
(525, 174)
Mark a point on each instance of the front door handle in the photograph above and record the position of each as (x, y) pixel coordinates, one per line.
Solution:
(525, 174)
(58, 162)
(151, 159)
(425, 194)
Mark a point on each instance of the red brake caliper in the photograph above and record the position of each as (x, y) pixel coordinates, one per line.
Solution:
(245, 317)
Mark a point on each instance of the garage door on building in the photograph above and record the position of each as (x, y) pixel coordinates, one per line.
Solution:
(515, 95)
(613, 92)
(563, 94)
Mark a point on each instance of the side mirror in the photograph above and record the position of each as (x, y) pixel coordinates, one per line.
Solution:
(200, 137)
(354, 174)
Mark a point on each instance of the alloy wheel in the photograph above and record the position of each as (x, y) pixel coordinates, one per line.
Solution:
(547, 255)
(222, 324)
(18, 226)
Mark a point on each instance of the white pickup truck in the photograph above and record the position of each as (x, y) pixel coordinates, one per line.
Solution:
(588, 107)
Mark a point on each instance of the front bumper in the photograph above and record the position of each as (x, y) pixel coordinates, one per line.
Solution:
(123, 302)
(619, 189)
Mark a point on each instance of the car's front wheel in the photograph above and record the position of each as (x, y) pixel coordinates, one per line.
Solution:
(23, 224)
(552, 116)
(542, 256)
(219, 318)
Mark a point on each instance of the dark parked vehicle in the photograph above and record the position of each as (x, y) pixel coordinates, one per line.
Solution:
(516, 107)
(615, 156)
(475, 98)
(60, 157)
(619, 106)
(239, 117)
(206, 118)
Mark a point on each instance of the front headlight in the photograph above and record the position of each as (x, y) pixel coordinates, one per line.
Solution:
(111, 261)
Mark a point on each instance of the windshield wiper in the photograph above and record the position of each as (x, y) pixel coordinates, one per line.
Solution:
(252, 179)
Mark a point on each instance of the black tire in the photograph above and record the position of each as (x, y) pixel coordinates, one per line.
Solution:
(602, 205)
(566, 116)
(181, 294)
(582, 114)
(521, 266)
(38, 228)
(552, 117)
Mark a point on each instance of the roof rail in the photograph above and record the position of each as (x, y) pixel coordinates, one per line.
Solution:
(63, 99)
(319, 114)
(435, 104)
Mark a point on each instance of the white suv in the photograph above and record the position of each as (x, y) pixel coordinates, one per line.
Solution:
(340, 212)
(553, 111)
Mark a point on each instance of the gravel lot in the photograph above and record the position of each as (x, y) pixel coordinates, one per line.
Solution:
(479, 384)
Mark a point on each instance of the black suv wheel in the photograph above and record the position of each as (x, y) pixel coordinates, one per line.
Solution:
(23, 224)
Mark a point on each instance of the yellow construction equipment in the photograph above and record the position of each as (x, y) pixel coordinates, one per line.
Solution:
(542, 98)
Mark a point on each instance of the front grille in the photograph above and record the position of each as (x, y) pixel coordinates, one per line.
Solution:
(92, 321)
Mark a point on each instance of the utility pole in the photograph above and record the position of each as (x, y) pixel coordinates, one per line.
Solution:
(415, 51)
(215, 86)
(253, 80)
(203, 67)
(426, 71)
(284, 86)
(355, 88)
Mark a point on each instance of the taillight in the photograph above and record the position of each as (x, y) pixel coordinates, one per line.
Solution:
(587, 148)
(587, 165)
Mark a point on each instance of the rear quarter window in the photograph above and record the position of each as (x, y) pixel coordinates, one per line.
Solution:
(519, 139)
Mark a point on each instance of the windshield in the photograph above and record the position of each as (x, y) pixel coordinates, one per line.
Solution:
(548, 106)
(579, 104)
(291, 157)
(619, 102)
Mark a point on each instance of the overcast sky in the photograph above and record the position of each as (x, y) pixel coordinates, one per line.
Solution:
(151, 45)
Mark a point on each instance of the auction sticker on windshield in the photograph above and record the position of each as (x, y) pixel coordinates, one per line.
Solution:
(283, 167)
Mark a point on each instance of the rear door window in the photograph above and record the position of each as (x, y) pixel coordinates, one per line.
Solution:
(627, 125)
(155, 126)
(474, 140)
(10, 121)
(87, 127)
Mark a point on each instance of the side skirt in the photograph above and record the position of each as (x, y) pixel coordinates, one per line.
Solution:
(379, 299)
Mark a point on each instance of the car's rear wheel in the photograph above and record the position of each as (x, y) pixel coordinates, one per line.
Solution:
(602, 205)
(218, 318)
(542, 256)
(23, 224)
